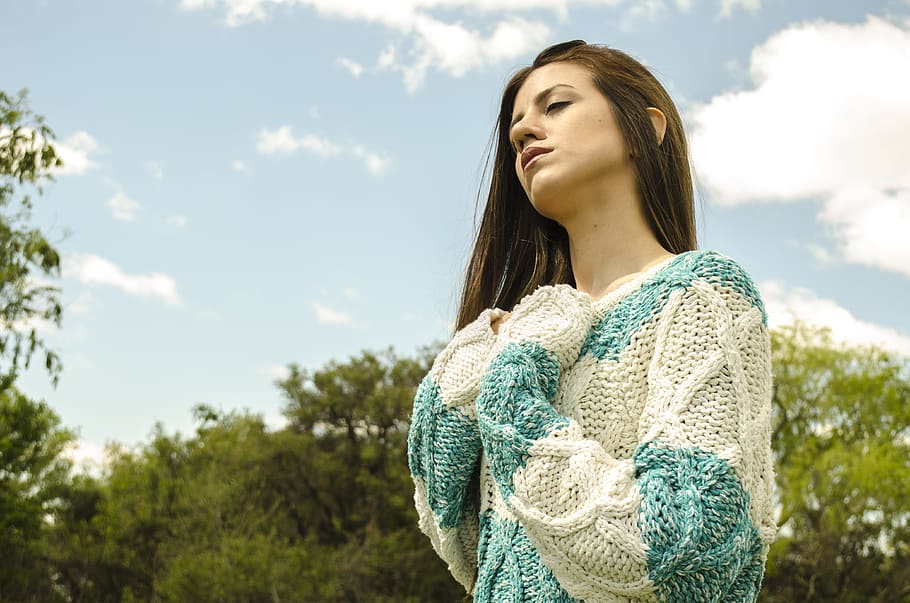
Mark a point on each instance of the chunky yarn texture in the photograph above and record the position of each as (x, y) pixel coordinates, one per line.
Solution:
(604, 451)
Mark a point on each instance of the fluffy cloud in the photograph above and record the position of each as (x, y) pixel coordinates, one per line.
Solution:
(352, 67)
(282, 142)
(123, 208)
(330, 316)
(455, 49)
(375, 164)
(76, 152)
(728, 6)
(826, 118)
(644, 10)
(785, 306)
(94, 270)
(449, 44)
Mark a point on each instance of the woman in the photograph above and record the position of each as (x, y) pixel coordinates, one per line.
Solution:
(598, 429)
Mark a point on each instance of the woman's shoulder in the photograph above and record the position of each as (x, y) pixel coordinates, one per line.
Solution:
(726, 275)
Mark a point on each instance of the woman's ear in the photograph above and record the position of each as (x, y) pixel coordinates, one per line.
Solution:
(659, 121)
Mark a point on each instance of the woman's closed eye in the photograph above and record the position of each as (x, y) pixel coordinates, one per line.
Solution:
(556, 106)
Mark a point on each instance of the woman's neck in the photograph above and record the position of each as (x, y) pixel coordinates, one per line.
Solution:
(610, 245)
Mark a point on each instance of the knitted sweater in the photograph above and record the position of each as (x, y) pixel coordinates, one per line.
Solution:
(608, 450)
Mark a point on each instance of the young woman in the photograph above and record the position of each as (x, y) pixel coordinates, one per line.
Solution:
(598, 429)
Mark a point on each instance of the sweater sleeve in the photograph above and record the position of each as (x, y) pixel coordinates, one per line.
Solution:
(688, 517)
(444, 448)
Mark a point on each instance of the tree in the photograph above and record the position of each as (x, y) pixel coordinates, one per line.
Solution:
(321, 510)
(33, 475)
(842, 441)
(27, 157)
(348, 466)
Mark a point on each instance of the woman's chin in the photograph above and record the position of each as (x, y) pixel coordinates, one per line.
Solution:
(550, 206)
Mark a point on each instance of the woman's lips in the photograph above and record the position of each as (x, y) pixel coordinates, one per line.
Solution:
(529, 156)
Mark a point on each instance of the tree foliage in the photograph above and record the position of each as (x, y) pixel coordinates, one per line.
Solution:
(321, 510)
(33, 475)
(27, 157)
(842, 441)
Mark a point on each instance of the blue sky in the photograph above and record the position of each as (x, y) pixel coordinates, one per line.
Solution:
(251, 183)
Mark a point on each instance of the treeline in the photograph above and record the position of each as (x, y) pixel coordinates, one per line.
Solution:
(322, 509)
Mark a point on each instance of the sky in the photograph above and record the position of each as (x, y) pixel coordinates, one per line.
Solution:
(253, 183)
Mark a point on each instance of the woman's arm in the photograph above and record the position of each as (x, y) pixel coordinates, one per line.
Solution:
(444, 447)
(687, 518)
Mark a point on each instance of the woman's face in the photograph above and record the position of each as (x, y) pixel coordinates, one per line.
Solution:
(568, 147)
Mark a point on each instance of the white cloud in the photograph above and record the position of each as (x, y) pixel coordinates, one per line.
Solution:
(872, 227)
(643, 10)
(352, 67)
(276, 141)
(447, 46)
(319, 146)
(194, 4)
(386, 58)
(239, 166)
(283, 142)
(826, 118)
(352, 293)
(76, 153)
(94, 270)
(178, 221)
(445, 43)
(785, 306)
(123, 208)
(376, 164)
(330, 316)
(455, 49)
(727, 6)
(88, 457)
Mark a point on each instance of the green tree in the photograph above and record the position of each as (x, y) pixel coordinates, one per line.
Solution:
(349, 468)
(842, 441)
(33, 475)
(321, 510)
(27, 157)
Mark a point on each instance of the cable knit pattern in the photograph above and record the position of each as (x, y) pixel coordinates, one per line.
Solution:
(444, 447)
(623, 444)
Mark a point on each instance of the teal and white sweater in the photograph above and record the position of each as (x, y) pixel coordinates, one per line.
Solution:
(608, 450)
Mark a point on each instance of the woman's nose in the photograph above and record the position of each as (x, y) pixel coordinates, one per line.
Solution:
(528, 129)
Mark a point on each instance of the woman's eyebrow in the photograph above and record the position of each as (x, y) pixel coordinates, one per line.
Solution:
(539, 99)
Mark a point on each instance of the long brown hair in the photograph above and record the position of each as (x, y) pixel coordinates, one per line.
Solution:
(517, 249)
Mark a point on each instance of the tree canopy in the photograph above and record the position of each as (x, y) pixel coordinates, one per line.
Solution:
(27, 158)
